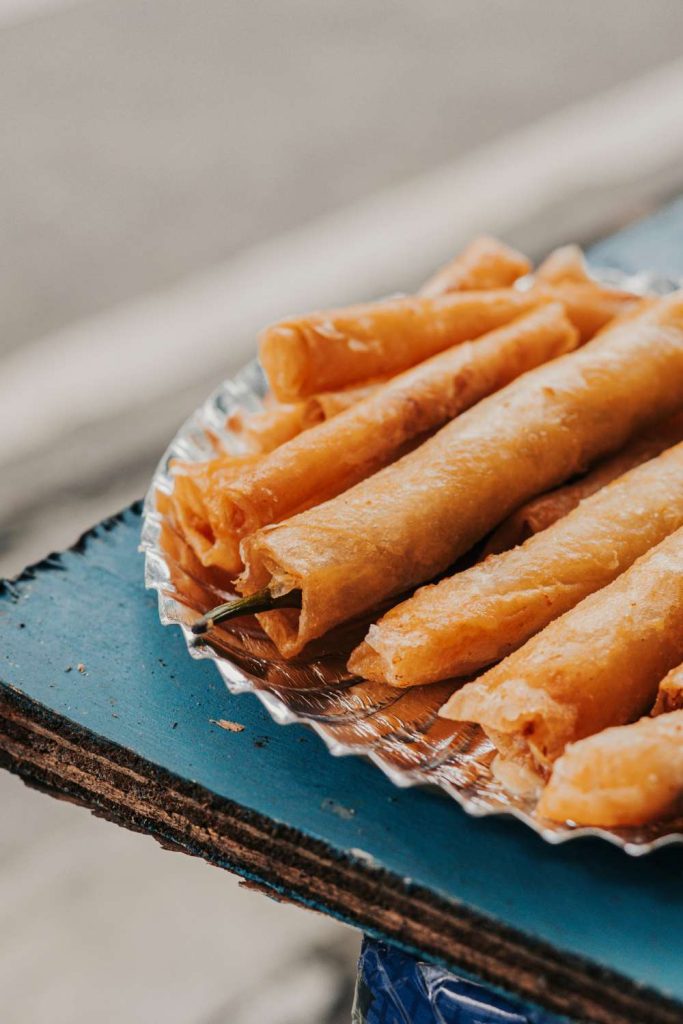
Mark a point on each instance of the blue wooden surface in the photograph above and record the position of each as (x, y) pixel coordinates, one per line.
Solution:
(140, 690)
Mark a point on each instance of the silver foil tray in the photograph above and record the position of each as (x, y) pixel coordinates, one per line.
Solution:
(396, 729)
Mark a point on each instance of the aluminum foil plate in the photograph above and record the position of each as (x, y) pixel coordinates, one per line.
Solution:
(398, 730)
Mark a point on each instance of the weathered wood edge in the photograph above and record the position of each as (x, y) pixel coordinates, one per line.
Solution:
(53, 754)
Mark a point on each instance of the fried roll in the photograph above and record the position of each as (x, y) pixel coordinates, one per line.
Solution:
(590, 306)
(460, 625)
(331, 350)
(564, 264)
(279, 422)
(335, 349)
(413, 519)
(629, 775)
(598, 665)
(334, 455)
(194, 492)
(541, 512)
(485, 263)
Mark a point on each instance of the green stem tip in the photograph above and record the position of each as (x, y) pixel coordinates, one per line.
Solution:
(261, 601)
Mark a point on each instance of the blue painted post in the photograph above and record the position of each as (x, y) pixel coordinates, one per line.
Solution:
(395, 988)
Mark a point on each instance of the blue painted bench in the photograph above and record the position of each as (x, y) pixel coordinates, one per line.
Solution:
(103, 706)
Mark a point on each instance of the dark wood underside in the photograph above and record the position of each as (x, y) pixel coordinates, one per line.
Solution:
(50, 753)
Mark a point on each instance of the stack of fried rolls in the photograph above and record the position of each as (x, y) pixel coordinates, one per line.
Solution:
(542, 423)
(340, 348)
(541, 512)
(332, 456)
(411, 520)
(626, 775)
(478, 616)
(597, 665)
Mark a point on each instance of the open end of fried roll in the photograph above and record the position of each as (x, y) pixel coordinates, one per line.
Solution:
(670, 693)
(623, 776)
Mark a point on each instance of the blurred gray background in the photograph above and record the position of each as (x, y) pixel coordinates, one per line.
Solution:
(175, 174)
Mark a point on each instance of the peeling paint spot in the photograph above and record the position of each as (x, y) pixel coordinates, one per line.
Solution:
(223, 723)
(342, 812)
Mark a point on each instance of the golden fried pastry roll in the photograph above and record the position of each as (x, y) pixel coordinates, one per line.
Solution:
(193, 494)
(628, 775)
(414, 518)
(597, 665)
(564, 264)
(485, 263)
(590, 306)
(334, 455)
(331, 350)
(460, 625)
(277, 423)
(329, 403)
(541, 512)
(335, 349)
(670, 692)
(281, 421)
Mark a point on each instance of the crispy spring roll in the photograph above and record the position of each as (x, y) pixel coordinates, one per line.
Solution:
(670, 692)
(460, 625)
(335, 349)
(410, 521)
(194, 488)
(628, 775)
(590, 306)
(334, 455)
(485, 263)
(597, 665)
(541, 512)
(564, 264)
(265, 431)
(338, 348)
(280, 422)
